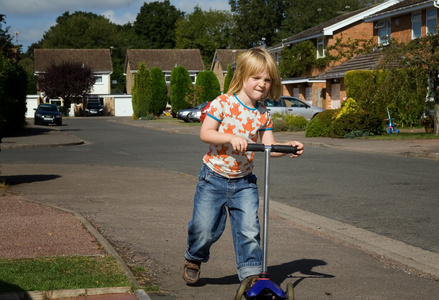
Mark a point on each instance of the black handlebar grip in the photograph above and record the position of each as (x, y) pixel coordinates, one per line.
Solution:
(274, 148)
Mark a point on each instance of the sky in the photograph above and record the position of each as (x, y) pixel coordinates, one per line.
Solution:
(28, 20)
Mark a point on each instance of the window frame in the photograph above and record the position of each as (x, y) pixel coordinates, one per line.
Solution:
(384, 26)
(429, 18)
(416, 32)
(321, 43)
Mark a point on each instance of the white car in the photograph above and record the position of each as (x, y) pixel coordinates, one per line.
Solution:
(292, 106)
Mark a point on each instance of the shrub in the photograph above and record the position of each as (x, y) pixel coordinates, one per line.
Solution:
(320, 125)
(159, 92)
(211, 87)
(345, 124)
(350, 106)
(180, 86)
(288, 122)
(295, 123)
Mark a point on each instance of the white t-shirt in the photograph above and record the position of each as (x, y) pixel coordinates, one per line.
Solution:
(240, 120)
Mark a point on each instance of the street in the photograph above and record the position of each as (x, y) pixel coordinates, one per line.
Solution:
(124, 177)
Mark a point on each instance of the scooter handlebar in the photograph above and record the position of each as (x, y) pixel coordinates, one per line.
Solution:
(274, 148)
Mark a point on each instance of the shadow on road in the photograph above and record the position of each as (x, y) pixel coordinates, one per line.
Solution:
(304, 268)
(19, 179)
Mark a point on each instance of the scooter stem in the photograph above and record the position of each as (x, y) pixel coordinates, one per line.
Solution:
(265, 218)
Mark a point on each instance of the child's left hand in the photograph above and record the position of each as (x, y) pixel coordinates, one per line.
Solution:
(299, 146)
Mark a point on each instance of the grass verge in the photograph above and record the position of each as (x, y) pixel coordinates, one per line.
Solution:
(57, 273)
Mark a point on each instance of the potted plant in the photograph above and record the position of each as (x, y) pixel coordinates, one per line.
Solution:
(428, 123)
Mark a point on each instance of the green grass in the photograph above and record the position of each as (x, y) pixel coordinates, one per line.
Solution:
(405, 135)
(56, 273)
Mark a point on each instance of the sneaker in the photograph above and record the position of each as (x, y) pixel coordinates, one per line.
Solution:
(251, 281)
(191, 271)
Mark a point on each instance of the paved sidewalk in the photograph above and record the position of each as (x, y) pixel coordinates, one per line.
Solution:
(50, 136)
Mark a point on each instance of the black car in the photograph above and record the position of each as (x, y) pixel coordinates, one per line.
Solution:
(47, 114)
(94, 109)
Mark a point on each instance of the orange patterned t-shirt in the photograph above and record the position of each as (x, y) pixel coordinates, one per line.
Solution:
(238, 119)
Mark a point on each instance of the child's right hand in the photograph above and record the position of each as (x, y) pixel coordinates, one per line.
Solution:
(238, 143)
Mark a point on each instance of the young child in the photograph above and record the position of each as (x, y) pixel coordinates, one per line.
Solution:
(225, 182)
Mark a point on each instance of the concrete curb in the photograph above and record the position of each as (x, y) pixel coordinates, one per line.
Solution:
(56, 294)
(414, 258)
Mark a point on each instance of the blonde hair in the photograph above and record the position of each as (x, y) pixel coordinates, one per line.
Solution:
(253, 62)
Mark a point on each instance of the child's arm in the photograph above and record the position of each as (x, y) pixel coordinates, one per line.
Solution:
(267, 138)
(209, 134)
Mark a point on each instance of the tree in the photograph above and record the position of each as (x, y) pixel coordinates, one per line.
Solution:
(142, 91)
(85, 30)
(69, 80)
(228, 78)
(155, 25)
(12, 96)
(300, 15)
(159, 92)
(256, 20)
(298, 59)
(210, 86)
(206, 31)
(180, 86)
(421, 54)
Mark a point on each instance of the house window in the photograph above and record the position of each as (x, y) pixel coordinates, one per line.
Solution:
(193, 77)
(320, 48)
(416, 25)
(384, 30)
(431, 21)
(99, 79)
(168, 78)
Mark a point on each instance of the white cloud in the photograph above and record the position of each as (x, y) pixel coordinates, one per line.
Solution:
(119, 19)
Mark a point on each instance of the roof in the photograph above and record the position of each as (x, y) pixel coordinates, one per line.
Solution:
(401, 7)
(165, 59)
(98, 60)
(369, 61)
(337, 23)
(226, 57)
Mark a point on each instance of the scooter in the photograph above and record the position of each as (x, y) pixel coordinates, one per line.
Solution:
(391, 128)
(264, 288)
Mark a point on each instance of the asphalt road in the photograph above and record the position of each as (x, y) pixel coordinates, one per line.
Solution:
(135, 185)
(389, 195)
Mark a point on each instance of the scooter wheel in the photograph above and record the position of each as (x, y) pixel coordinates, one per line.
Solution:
(241, 289)
(290, 291)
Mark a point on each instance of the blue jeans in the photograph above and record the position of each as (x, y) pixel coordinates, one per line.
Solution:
(215, 195)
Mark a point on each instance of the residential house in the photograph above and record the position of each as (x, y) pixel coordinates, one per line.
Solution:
(221, 60)
(165, 59)
(309, 87)
(403, 21)
(99, 60)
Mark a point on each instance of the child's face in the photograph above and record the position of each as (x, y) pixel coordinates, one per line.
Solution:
(257, 86)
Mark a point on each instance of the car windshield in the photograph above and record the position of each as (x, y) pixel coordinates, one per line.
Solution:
(93, 104)
(48, 107)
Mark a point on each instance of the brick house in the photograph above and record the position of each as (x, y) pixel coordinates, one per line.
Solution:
(403, 21)
(309, 87)
(221, 60)
(99, 60)
(165, 59)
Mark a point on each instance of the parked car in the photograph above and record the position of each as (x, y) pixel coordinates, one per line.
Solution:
(292, 106)
(184, 113)
(94, 109)
(48, 114)
(199, 115)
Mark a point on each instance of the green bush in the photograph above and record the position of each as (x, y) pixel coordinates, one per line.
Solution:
(13, 83)
(346, 124)
(295, 123)
(288, 122)
(320, 125)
